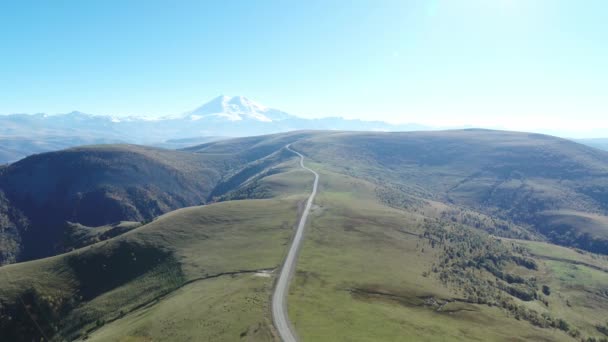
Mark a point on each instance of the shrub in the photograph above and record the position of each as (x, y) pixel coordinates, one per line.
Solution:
(546, 290)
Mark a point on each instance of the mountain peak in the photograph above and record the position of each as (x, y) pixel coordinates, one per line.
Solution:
(232, 108)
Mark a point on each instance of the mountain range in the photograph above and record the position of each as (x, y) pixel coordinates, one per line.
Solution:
(223, 116)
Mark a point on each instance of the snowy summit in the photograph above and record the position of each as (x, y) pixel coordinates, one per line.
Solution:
(234, 108)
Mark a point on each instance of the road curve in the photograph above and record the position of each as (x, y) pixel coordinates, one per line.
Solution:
(279, 303)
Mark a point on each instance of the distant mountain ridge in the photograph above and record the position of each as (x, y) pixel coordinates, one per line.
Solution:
(601, 143)
(228, 116)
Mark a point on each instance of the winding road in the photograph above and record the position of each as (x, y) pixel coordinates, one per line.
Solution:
(279, 304)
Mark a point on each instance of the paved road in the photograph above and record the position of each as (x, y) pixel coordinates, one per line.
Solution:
(279, 305)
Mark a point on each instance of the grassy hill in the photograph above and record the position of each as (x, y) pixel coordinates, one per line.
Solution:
(371, 272)
(517, 177)
(95, 186)
(101, 185)
(218, 257)
(414, 236)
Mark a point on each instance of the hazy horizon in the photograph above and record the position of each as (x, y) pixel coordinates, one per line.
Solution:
(504, 64)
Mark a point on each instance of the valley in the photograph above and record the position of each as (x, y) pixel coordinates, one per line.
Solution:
(417, 236)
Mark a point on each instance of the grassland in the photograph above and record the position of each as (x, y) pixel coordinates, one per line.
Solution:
(225, 308)
(578, 282)
(39, 194)
(217, 257)
(515, 177)
(363, 275)
(387, 270)
(398, 248)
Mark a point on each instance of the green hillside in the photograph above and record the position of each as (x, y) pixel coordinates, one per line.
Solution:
(371, 272)
(520, 178)
(97, 186)
(147, 271)
(422, 236)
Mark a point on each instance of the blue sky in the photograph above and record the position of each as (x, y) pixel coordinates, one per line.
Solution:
(516, 64)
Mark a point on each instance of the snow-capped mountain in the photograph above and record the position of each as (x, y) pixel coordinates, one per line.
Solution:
(223, 116)
(233, 108)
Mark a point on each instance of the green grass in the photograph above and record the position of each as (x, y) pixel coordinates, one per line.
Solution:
(199, 242)
(360, 278)
(515, 177)
(227, 308)
(365, 270)
(571, 275)
(171, 260)
(225, 237)
(593, 224)
(578, 293)
(77, 235)
(545, 250)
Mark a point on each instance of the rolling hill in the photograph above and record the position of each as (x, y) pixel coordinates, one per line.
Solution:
(228, 247)
(105, 184)
(459, 235)
(94, 186)
(518, 177)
